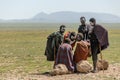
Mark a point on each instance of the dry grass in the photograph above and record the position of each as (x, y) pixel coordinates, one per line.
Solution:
(22, 48)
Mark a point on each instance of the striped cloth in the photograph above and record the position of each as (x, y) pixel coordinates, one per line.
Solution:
(65, 56)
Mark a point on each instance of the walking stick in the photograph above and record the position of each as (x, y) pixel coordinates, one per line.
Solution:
(54, 53)
(101, 56)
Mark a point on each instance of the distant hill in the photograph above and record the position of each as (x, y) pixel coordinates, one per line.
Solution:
(73, 17)
(69, 17)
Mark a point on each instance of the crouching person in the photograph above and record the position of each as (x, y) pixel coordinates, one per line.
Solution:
(81, 50)
(81, 54)
(64, 57)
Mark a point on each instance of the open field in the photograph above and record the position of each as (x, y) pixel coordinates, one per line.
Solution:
(22, 47)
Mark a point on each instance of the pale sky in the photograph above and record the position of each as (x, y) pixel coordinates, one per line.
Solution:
(23, 9)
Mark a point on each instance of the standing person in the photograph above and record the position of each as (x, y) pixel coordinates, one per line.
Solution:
(98, 40)
(65, 55)
(54, 40)
(83, 28)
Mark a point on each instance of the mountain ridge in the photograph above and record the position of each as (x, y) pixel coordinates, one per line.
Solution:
(69, 17)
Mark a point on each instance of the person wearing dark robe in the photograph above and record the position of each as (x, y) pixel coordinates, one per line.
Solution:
(65, 55)
(81, 50)
(98, 39)
(54, 41)
(84, 28)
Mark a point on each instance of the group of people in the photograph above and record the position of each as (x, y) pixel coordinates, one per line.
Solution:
(69, 48)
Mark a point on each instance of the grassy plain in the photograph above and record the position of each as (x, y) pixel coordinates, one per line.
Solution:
(22, 46)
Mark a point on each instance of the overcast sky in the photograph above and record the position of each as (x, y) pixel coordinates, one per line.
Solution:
(23, 9)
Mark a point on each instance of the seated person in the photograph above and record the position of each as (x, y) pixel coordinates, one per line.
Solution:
(81, 50)
(72, 37)
(65, 55)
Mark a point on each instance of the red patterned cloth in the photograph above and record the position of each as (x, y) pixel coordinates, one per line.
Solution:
(66, 35)
(81, 51)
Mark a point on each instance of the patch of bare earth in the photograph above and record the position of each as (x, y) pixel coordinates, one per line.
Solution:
(113, 73)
